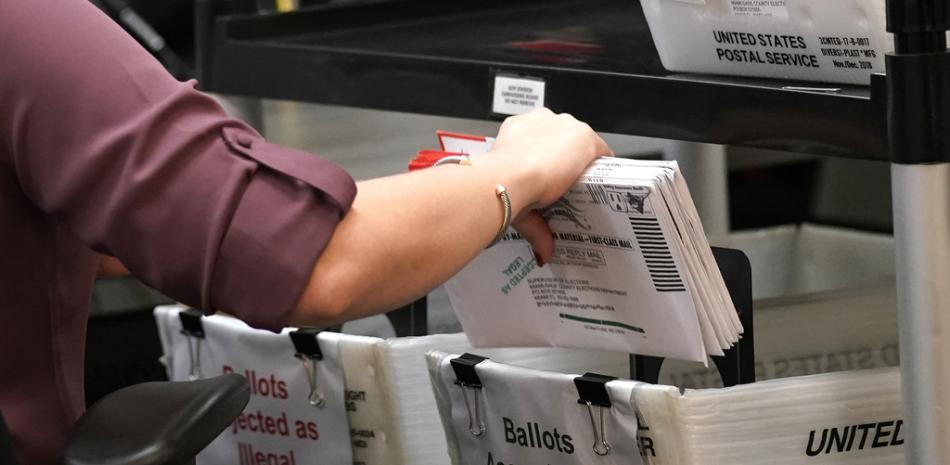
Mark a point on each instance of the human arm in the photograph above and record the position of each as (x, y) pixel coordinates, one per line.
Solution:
(141, 167)
(406, 234)
(409, 233)
(113, 153)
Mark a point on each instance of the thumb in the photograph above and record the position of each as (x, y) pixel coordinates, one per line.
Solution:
(535, 229)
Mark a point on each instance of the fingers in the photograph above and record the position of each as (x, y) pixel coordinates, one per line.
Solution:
(600, 147)
(554, 149)
(536, 114)
(535, 229)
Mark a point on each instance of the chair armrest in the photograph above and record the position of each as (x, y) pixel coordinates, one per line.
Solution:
(161, 423)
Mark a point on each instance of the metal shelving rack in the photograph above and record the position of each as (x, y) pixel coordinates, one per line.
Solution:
(442, 57)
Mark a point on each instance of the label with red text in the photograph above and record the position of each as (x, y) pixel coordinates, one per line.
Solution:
(280, 424)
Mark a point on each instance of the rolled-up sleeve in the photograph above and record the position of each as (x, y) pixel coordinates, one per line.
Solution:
(145, 168)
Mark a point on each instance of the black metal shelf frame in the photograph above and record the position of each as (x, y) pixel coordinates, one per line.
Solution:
(365, 56)
(441, 58)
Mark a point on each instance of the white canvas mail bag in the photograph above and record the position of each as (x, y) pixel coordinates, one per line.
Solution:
(296, 413)
(393, 415)
(499, 414)
(846, 418)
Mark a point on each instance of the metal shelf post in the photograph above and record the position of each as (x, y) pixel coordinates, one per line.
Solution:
(705, 170)
(922, 233)
(918, 121)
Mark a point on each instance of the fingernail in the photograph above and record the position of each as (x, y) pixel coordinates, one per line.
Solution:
(538, 259)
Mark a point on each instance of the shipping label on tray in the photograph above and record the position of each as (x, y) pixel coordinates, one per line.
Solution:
(842, 41)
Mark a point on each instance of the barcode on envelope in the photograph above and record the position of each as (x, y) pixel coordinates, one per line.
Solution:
(598, 193)
(656, 254)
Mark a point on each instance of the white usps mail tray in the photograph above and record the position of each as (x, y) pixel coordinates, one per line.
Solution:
(840, 41)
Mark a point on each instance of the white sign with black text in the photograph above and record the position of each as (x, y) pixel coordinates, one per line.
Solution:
(532, 417)
(515, 95)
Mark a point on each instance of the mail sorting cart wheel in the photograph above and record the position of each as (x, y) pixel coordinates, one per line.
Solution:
(737, 365)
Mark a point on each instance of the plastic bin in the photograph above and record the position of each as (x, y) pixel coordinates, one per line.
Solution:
(392, 414)
(824, 301)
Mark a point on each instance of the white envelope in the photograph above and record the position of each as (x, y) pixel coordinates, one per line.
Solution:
(632, 271)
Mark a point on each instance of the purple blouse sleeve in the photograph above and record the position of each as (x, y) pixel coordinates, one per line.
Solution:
(145, 168)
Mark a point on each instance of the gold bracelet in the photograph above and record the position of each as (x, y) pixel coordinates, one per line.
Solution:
(464, 160)
(502, 194)
(500, 191)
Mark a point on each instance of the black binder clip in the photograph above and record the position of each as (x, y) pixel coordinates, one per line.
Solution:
(307, 349)
(467, 377)
(592, 390)
(194, 333)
